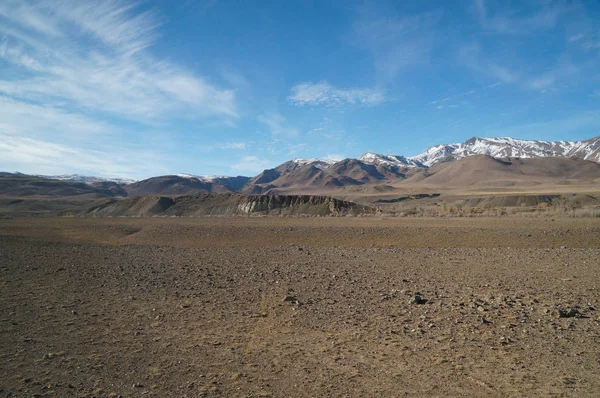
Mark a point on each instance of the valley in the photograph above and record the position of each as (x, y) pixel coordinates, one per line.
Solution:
(305, 307)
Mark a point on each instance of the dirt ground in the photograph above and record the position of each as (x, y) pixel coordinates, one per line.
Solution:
(288, 307)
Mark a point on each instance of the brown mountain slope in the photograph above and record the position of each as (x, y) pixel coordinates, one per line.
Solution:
(483, 170)
(21, 185)
(25, 195)
(173, 185)
(228, 205)
(294, 178)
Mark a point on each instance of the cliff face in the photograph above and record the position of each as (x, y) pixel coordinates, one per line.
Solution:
(294, 204)
(229, 205)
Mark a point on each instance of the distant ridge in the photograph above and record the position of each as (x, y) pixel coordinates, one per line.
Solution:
(228, 205)
(313, 176)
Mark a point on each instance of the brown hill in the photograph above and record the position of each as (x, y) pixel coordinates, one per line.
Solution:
(227, 205)
(291, 177)
(172, 185)
(483, 170)
(21, 185)
(25, 195)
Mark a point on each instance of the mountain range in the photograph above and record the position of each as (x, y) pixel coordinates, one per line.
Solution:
(566, 160)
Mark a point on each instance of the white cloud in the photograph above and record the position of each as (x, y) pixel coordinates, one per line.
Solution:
(334, 157)
(542, 82)
(74, 71)
(576, 37)
(550, 129)
(24, 119)
(42, 157)
(90, 55)
(587, 41)
(251, 165)
(233, 145)
(471, 56)
(505, 21)
(278, 125)
(395, 43)
(323, 93)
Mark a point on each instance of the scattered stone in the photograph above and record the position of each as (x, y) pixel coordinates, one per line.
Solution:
(567, 313)
(569, 381)
(505, 340)
(292, 299)
(417, 299)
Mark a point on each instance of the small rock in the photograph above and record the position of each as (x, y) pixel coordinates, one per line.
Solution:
(416, 299)
(292, 299)
(567, 313)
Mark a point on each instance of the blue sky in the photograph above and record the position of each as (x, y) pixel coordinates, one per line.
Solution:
(117, 88)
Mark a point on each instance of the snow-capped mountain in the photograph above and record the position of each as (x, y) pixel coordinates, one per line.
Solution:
(388, 160)
(88, 179)
(303, 174)
(318, 163)
(203, 178)
(497, 147)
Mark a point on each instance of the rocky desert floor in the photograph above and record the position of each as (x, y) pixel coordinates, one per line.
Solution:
(287, 307)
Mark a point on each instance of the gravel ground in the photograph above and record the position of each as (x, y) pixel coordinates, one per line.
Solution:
(303, 308)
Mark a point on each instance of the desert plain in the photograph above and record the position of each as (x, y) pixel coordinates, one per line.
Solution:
(299, 307)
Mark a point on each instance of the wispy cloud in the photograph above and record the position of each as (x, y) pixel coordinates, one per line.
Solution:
(25, 119)
(440, 102)
(496, 17)
(395, 43)
(325, 94)
(586, 41)
(549, 129)
(90, 56)
(334, 157)
(79, 74)
(233, 145)
(42, 157)
(251, 165)
(278, 125)
(472, 57)
(564, 71)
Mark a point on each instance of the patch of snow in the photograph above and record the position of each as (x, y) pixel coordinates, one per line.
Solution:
(501, 147)
(318, 163)
(203, 178)
(88, 179)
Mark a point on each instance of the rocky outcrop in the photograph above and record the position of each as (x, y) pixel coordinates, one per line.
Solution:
(229, 205)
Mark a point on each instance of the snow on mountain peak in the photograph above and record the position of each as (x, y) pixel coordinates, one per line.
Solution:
(88, 179)
(203, 178)
(312, 160)
(503, 147)
(318, 163)
(387, 160)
